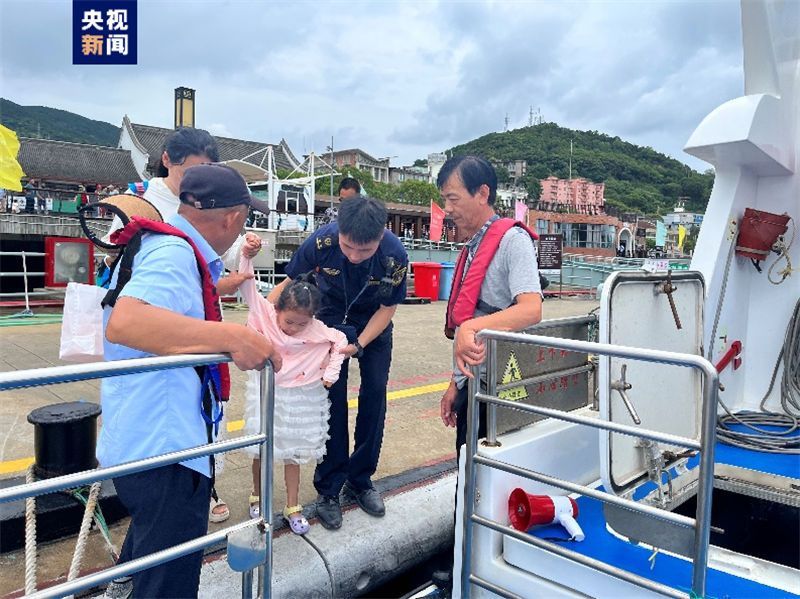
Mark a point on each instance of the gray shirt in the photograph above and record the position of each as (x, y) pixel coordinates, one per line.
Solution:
(512, 272)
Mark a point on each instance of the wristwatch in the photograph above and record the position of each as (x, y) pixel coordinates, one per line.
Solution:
(359, 349)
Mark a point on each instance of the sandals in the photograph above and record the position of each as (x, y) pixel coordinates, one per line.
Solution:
(222, 513)
(294, 516)
(255, 506)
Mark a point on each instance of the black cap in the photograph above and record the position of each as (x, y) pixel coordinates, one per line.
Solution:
(214, 186)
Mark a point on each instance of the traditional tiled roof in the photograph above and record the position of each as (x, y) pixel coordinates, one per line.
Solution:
(80, 163)
(151, 139)
(369, 157)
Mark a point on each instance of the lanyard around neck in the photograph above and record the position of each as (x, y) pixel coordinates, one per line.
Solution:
(360, 293)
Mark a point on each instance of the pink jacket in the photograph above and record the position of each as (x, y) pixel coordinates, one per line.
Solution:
(308, 357)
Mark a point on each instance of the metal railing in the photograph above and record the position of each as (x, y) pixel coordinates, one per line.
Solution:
(702, 521)
(66, 374)
(24, 274)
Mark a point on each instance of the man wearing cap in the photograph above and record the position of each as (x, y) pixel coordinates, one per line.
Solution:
(162, 310)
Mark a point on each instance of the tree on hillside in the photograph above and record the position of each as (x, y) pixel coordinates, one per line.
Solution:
(636, 177)
(503, 176)
(532, 185)
(420, 193)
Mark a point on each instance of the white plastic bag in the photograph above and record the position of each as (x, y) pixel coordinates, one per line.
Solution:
(82, 325)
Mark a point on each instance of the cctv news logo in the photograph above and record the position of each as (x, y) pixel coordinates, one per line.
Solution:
(103, 31)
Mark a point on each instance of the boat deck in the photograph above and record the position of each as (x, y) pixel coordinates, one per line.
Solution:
(664, 568)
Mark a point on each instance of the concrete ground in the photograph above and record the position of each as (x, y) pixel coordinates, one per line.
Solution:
(414, 433)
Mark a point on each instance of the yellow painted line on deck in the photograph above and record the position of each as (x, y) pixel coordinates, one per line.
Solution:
(13, 466)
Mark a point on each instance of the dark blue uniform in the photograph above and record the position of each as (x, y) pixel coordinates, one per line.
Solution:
(351, 294)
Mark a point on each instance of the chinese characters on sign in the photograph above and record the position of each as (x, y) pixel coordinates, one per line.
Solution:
(104, 32)
(550, 248)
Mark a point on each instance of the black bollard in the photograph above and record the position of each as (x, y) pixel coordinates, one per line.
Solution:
(64, 438)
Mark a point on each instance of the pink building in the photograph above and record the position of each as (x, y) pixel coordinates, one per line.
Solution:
(575, 195)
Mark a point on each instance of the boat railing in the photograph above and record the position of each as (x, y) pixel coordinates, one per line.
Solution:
(262, 525)
(702, 521)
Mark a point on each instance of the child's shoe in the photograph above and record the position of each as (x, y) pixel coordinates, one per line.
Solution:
(294, 516)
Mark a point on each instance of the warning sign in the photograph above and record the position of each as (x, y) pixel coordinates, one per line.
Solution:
(512, 373)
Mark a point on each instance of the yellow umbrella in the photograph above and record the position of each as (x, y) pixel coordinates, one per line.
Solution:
(10, 170)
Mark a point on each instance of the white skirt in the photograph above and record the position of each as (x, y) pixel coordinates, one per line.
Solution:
(300, 421)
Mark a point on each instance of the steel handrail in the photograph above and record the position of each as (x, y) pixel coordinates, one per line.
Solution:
(81, 372)
(702, 522)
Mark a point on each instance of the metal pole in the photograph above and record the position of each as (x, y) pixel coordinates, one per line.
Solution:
(69, 481)
(142, 563)
(267, 405)
(628, 504)
(25, 279)
(247, 584)
(625, 429)
(331, 165)
(579, 558)
(705, 488)
(470, 448)
(491, 384)
(37, 377)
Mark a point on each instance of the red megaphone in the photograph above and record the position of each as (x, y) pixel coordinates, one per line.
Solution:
(526, 510)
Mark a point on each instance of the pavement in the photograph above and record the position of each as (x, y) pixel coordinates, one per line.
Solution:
(414, 434)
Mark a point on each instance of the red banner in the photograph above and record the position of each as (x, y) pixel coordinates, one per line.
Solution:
(437, 222)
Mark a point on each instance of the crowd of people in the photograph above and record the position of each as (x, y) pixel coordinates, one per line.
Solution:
(342, 290)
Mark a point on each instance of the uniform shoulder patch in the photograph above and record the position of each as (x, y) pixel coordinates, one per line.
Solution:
(398, 275)
(324, 242)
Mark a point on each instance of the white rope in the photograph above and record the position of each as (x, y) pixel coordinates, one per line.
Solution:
(30, 538)
(783, 250)
(83, 535)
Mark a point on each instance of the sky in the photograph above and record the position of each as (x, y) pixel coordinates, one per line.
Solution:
(398, 79)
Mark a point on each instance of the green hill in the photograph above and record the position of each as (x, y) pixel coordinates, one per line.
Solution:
(637, 178)
(51, 123)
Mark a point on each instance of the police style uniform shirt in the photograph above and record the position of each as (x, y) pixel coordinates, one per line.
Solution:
(351, 290)
(152, 413)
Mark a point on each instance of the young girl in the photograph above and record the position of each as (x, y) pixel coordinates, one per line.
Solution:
(311, 363)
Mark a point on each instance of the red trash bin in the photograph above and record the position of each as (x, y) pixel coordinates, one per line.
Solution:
(426, 279)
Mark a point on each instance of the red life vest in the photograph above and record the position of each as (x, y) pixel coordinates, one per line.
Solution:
(465, 292)
(133, 230)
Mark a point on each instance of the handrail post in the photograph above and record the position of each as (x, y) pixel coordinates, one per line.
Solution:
(25, 279)
(247, 584)
(470, 449)
(267, 408)
(491, 386)
(705, 489)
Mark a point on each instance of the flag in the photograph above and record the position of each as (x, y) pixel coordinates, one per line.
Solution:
(437, 222)
(681, 236)
(10, 170)
(661, 234)
(521, 212)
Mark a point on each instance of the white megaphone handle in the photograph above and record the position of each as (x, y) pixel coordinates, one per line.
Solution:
(563, 515)
(572, 526)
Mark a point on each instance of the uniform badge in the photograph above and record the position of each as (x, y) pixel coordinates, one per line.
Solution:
(324, 242)
(331, 272)
(398, 276)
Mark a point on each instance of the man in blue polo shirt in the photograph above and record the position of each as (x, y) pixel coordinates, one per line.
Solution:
(160, 311)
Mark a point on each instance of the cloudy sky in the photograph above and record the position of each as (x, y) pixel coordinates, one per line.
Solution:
(396, 78)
